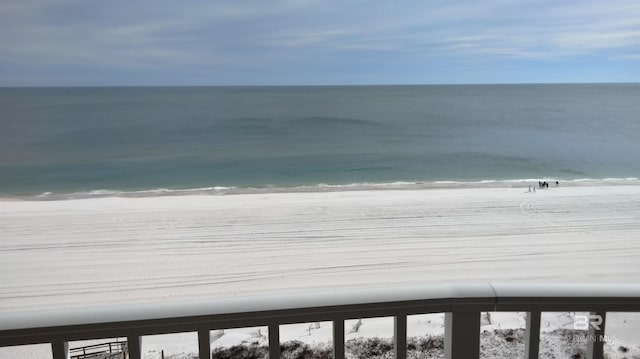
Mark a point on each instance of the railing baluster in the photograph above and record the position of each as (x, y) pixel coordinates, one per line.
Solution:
(532, 343)
(462, 335)
(204, 344)
(595, 342)
(400, 336)
(338, 339)
(134, 346)
(274, 341)
(60, 349)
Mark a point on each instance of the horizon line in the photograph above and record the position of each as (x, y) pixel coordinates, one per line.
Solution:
(323, 85)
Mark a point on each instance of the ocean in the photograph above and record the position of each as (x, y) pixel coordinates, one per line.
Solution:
(61, 142)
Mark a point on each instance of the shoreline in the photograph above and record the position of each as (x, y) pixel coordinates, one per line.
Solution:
(323, 188)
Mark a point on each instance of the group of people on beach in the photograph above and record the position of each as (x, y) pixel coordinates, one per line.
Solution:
(541, 185)
(545, 184)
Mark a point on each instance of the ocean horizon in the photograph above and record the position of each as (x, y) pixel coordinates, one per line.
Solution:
(100, 141)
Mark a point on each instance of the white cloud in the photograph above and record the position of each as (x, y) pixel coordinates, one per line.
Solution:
(227, 35)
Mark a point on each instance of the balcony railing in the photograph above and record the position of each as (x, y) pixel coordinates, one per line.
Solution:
(102, 350)
(462, 305)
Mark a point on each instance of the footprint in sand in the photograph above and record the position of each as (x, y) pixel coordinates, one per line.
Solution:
(531, 209)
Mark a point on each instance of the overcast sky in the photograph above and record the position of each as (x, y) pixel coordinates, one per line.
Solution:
(280, 42)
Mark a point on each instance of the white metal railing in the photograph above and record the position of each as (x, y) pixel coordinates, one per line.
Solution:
(461, 304)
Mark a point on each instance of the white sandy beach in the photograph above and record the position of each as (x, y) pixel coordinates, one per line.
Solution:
(130, 250)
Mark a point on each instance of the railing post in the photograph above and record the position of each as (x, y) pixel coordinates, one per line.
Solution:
(595, 342)
(274, 341)
(204, 344)
(400, 336)
(338, 339)
(60, 349)
(462, 335)
(134, 346)
(532, 343)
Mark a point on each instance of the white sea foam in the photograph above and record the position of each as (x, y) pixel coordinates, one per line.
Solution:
(322, 187)
(102, 192)
(525, 180)
(155, 190)
(402, 183)
(621, 179)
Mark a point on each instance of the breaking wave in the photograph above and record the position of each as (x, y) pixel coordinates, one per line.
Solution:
(325, 187)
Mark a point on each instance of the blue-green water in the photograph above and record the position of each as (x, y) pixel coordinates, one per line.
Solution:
(74, 140)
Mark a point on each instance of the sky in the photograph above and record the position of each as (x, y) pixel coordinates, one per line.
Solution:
(317, 42)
